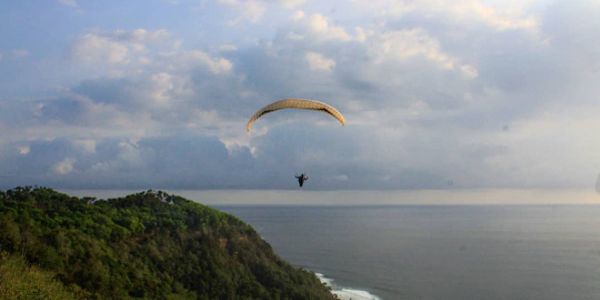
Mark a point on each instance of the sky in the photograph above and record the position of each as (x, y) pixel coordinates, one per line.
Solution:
(459, 94)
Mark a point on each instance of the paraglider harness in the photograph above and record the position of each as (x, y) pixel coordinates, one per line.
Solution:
(301, 179)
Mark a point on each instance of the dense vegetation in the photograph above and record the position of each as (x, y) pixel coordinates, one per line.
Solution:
(146, 245)
(19, 280)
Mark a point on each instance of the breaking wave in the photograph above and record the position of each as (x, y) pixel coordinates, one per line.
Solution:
(346, 293)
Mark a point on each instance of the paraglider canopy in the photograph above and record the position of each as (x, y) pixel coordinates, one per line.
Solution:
(296, 103)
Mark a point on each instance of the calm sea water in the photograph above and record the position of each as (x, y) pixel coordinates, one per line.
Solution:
(441, 252)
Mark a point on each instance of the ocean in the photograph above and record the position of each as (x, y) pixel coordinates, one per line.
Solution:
(439, 251)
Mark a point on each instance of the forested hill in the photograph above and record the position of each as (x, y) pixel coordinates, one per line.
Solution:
(146, 245)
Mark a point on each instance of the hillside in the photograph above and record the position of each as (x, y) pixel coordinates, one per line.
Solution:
(146, 245)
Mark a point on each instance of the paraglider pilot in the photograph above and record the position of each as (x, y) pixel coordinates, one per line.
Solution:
(301, 179)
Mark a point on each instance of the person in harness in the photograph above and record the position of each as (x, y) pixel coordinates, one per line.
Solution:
(301, 179)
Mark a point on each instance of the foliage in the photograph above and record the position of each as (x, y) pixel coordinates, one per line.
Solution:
(18, 280)
(146, 245)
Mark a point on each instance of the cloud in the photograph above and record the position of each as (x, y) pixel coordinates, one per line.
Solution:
(558, 126)
(406, 44)
(71, 3)
(292, 3)
(480, 12)
(249, 10)
(123, 53)
(185, 161)
(216, 65)
(501, 17)
(64, 167)
(297, 15)
(175, 91)
(321, 26)
(473, 94)
(319, 62)
(253, 10)
(120, 47)
(92, 48)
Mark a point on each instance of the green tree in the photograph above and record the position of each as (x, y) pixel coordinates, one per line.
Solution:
(145, 245)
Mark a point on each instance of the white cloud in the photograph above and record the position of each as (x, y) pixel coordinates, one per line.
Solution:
(298, 15)
(319, 25)
(469, 71)
(254, 10)
(64, 167)
(249, 10)
(361, 34)
(120, 47)
(132, 52)
(71, 3)
(163, 85)
(493, 17)
(317, 61)
(292, 3)
(217, 65)
(503, 16)
(92, 48)
(410, 43)
(316, 27)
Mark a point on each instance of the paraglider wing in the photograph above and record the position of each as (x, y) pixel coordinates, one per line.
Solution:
(294, 103)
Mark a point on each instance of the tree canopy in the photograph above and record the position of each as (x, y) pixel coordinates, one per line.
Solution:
(146, 245)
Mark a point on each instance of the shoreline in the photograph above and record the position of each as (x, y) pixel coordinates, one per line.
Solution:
(345, 293)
